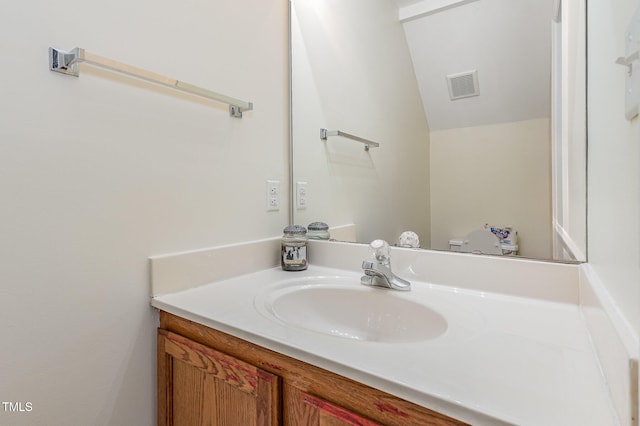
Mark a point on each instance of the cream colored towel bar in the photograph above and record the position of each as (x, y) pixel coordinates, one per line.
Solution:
(67, 63)
(324, 134)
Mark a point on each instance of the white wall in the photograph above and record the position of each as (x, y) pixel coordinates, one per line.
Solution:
(613, 160)
(355, 75)
(98, 173)
(497, 174)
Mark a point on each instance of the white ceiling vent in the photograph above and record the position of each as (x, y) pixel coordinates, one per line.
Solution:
(463, 85)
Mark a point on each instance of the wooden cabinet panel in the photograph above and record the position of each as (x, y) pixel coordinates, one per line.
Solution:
(305, 409)
(200, 386)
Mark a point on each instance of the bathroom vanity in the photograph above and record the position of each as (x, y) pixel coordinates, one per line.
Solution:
(209, 377)
(478, 340)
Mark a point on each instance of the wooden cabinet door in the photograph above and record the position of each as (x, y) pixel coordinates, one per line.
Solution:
(305, 409)
(199, 386)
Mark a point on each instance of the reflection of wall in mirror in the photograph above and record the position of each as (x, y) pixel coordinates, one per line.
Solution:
(498, 174)
(343, 78)
(340, 85)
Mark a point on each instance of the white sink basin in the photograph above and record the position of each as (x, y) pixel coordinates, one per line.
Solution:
(342, 307)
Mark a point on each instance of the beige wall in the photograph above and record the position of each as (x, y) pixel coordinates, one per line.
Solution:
(98, 173)
(613, 160)
(497, 174)
(356, 75)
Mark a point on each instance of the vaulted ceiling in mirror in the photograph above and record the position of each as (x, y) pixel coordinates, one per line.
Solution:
(508, 43)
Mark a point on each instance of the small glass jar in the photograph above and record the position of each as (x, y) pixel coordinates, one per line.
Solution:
(293, 256)
(318, 231)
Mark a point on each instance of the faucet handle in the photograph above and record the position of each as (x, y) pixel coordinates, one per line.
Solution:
(379, 251)
(367, 264)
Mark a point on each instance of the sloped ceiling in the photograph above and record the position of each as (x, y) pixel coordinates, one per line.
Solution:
(507, 41)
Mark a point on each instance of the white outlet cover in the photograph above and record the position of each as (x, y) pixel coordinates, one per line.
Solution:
(302, 195)
(273, 195)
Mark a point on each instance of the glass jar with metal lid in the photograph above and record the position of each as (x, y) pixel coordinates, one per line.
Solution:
(318, 231)
(293, 256)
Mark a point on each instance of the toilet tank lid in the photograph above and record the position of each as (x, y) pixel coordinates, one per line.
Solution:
(459, 241)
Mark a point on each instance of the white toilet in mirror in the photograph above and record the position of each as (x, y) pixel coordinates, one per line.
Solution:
(486, 241)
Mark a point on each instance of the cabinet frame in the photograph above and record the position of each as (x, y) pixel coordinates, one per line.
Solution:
(296, 375)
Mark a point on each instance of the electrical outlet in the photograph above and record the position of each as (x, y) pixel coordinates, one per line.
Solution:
(301, 195)
(273, 195)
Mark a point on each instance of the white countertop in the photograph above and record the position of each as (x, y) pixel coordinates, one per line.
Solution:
(503, 359)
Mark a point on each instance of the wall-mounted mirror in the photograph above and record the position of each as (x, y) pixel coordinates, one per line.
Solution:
(478, 107)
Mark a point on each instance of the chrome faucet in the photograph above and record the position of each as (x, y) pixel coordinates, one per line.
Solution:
(377, 270)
